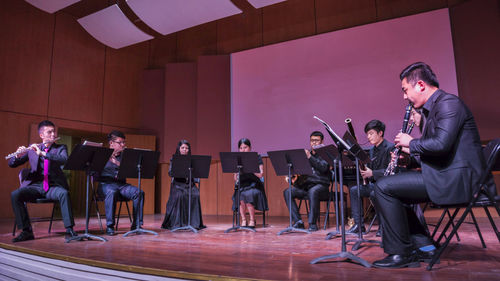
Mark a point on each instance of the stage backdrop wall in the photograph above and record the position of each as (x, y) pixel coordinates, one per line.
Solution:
(277, 89)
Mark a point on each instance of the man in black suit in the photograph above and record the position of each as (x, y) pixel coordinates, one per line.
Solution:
(44, 180)
(111, 186)
(315, 187)
(452, 163)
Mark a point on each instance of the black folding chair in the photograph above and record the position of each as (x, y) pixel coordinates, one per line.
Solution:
(492, 152)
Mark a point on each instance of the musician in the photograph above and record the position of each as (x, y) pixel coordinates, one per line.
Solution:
(177, 205)
(451, 159)
(110, 186)
(252, 193)
(380, 154)
(45, 180)
(315, 187)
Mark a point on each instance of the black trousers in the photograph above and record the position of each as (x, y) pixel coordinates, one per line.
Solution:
(357, 203)
(403, 230)
(111, 191)
(35, 191)
(316, 193)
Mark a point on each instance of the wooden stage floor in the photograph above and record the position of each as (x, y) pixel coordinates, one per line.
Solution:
(212, 254)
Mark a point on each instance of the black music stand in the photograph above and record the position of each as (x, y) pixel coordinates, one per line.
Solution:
(360, 155)
(330, 154)
(288, 163)
(342, 145)
(190, 166)
(241, 163)
(138, 163)
(90, 159)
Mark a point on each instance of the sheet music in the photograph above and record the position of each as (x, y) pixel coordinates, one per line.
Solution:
(332, 133)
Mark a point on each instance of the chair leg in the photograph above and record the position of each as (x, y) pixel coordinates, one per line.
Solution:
(14, 228)
(477, 228)
(492, 222)
(118, 216)
(264, 218)
(438, 224)
(452, 223)
(371, 223)
(440, 250)
(327, 215)
(52, 216)
(128, 212)
(443, 233)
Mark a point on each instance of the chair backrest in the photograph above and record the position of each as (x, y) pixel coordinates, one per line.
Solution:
(491, 154)
(23, 174)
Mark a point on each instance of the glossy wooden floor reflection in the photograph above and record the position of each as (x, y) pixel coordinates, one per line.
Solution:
(260, 255)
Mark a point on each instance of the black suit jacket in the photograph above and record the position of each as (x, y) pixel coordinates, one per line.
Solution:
(449, 149)
(57, 155)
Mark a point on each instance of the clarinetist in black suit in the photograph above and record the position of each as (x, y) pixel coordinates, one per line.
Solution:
(452, 163)
(44, 180)
(315, 187)
(380, 154)
(110, 186)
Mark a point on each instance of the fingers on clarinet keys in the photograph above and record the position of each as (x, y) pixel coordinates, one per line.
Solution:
(398, 261)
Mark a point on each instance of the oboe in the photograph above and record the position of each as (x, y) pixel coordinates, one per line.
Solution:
(26, 149)
(391, 168)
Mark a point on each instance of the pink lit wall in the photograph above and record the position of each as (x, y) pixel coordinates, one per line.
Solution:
(276, 90)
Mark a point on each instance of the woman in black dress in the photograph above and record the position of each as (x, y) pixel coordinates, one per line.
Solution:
(178, 201)
(252, 194)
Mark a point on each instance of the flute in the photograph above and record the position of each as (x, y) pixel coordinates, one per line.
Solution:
(26, 149)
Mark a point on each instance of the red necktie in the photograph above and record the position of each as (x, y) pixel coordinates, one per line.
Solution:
(46, 172)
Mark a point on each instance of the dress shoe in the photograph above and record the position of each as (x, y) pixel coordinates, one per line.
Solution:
(110, 231)
(397, 261)
(425, 256)
(70, 233)
(355, 229)
(24, 236)
(298, 224)
(313, 227)
(379, 233)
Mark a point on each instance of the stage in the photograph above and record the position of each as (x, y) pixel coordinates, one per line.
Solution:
(214, 255)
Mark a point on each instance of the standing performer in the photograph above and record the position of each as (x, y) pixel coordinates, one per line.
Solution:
(110, 186)
(380, 154)
(177, 205)
(252, 193)
(315, 187)
(452, 163)
(45, 180)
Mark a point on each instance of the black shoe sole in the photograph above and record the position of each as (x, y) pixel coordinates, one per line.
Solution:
(409, 265)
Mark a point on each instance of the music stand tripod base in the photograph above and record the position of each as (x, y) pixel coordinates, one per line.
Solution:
(236, 228)
(187, 227)
(139, 231)
(86, 236)
(344, 255)
(358, 243)
(293, 229)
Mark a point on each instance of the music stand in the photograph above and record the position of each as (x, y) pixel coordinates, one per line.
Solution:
(241, 163)
(138, 163)
(330, 154)
(362, 156)
(89, 159)
(342, 145)
(190, 166)
(288, 163)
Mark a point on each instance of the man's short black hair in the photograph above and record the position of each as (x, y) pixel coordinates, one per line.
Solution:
(45, 123)
(115, 134)
(419, 71)
(317, 134)
(376, 125)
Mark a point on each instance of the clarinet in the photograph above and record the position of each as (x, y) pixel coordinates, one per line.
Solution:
(391, 168)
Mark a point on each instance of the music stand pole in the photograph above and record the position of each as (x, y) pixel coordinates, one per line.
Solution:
(189, 226)
(138, 228)
(238, 223)
(332, 234)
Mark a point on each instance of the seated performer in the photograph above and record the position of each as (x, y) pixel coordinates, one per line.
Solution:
(45, 180)
(252, 193)
(380, 154)
(315, 187)
(177, 205)
(110, 186)
(451, 159)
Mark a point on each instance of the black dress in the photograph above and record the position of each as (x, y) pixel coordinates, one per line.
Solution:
(178, 204)
(252, 191)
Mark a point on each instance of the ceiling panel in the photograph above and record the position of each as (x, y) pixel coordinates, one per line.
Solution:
(52, 5)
